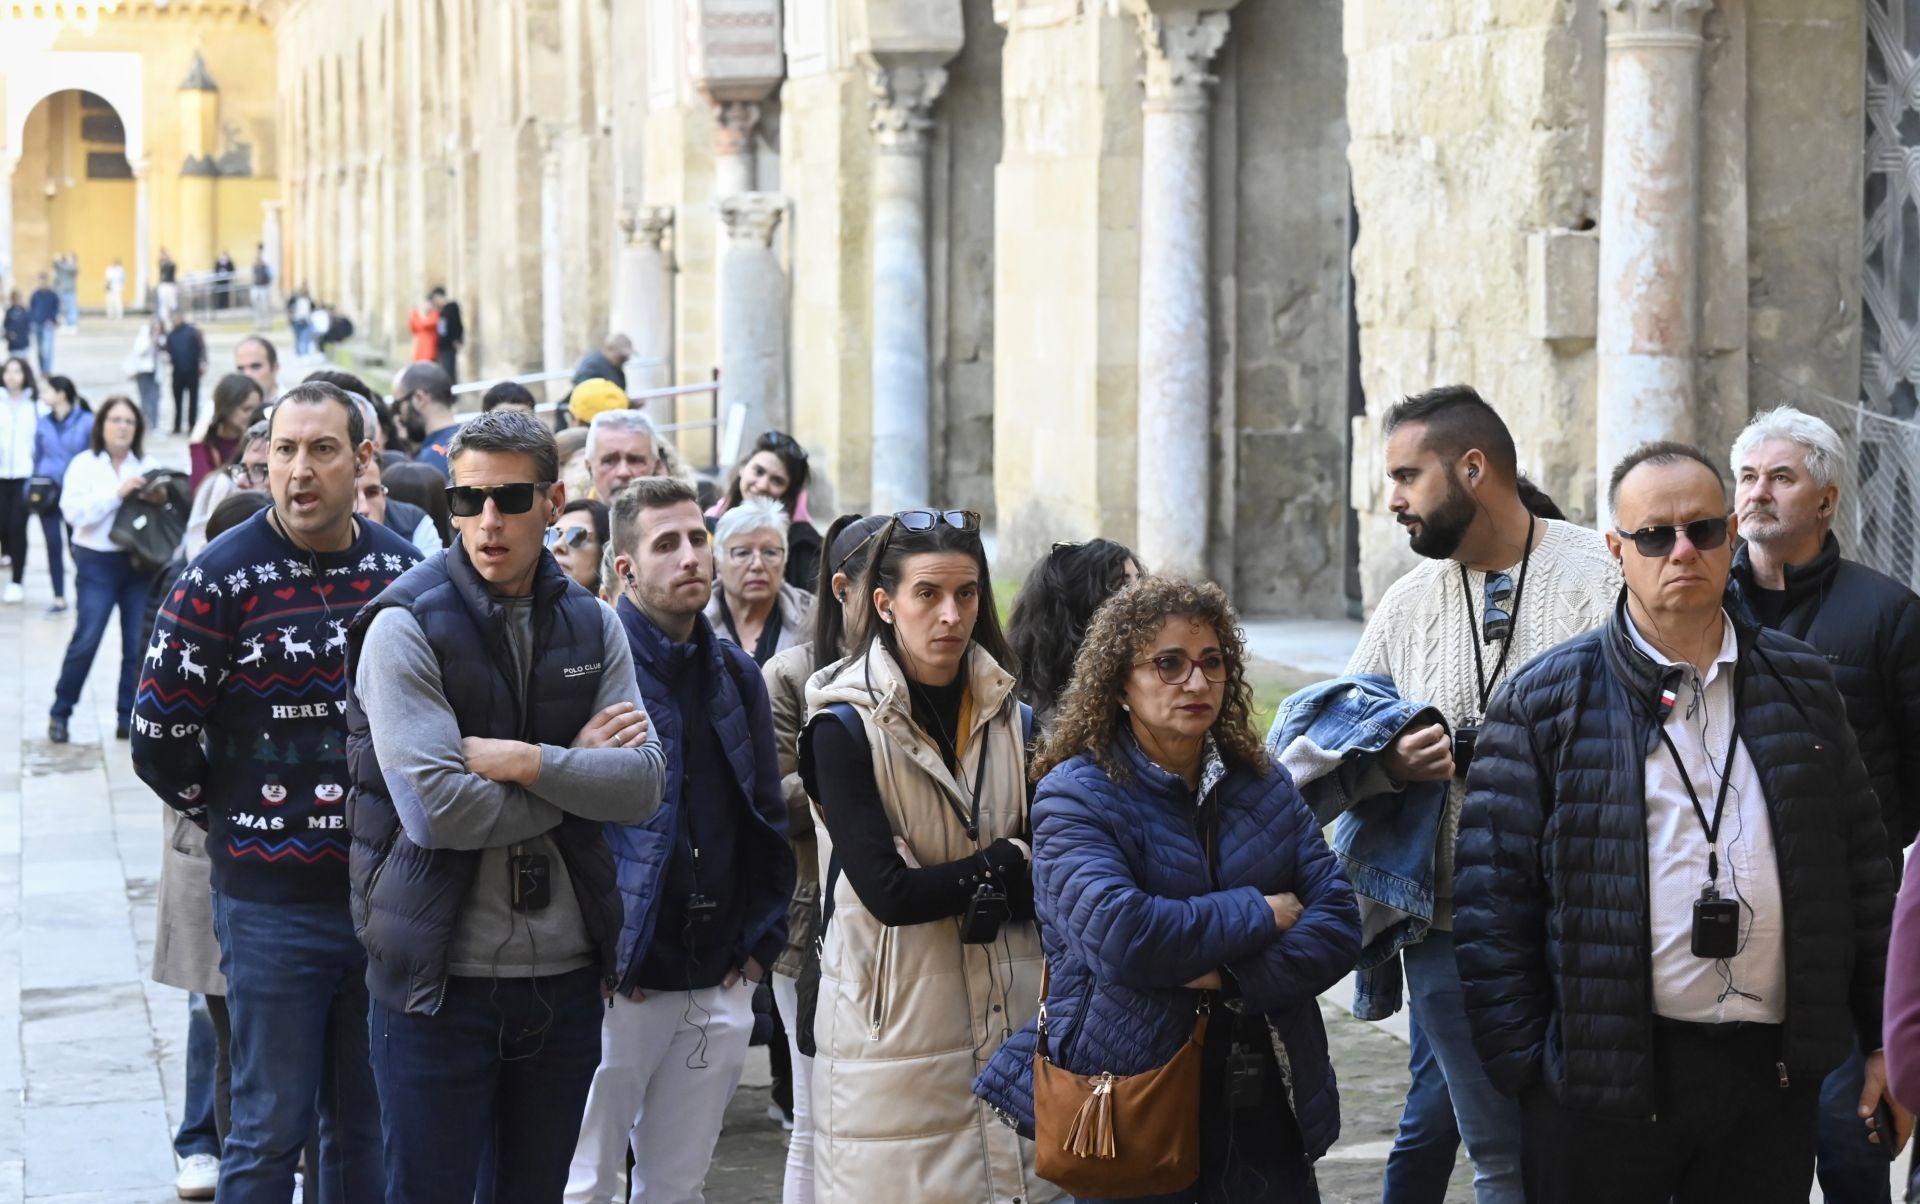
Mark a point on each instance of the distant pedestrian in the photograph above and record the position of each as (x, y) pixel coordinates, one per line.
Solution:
(43, 312)
(66, 282)
(96, 485)
(187, 356)
(62, 435)
(224, 279)
(424, 398)
(116, 291)
(607, 363)
(143, 365)
(262, 289)
(507, 396)
(19, 419)
(453, 332)
(300, 319)
(255, 357)
(424, 322)
(18, 327)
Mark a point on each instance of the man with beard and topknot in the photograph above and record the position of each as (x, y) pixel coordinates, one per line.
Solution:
(1500, 585)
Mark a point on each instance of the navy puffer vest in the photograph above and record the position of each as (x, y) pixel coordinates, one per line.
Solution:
(407, 899)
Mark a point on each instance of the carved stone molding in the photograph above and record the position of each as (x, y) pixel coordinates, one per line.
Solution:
(1179, 47)
(1656, 20)
(648, 227)
(752, 217)
(901, 110)
(733, 124)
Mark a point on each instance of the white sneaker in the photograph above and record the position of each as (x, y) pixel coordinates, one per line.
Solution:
(198, 1176)
(13, 594)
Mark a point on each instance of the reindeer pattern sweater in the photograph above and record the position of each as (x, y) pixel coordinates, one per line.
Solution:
(240, 718)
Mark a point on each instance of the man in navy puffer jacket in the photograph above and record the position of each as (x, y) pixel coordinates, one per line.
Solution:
(1128, 914)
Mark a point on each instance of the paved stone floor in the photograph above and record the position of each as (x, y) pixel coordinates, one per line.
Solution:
(90, 1081)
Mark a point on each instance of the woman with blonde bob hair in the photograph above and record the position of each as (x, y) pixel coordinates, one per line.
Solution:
(1176, 868)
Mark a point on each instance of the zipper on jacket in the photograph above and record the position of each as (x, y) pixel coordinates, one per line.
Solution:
(1646, 910)
(882, 975)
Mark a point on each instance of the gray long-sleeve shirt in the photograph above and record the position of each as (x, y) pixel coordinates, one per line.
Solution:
(441, 805)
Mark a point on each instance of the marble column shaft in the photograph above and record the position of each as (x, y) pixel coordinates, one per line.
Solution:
(903, 99)
(142, 236)
(753, 317)
(1649, 226)
(553, 337)
(643, 301)
(1175, 416)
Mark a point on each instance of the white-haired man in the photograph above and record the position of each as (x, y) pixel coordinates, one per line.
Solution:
(622, 446)
(1787, 468)
(752, 604)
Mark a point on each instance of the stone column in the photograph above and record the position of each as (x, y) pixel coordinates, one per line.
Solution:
(270, 240)
(643, 298)
(1175, 417)
(553, 337)
(903, 99)
(753, 317)
(734, 122)
(142, 235)
(8, 161)
(1649, 226)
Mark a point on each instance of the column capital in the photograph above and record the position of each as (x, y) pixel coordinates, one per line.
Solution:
(752, 217)
(900, 112)
(646, 227)
(733, 124)
(1655, 20)
(1179, 47)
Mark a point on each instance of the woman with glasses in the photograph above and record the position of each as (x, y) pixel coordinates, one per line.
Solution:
(62, 434)
(849, 542)
(578, 539)
(753, 605)
(1051, 614)
(1175, 869)
(775, 468)
(97, 482)
(916, 753)
(236, 403)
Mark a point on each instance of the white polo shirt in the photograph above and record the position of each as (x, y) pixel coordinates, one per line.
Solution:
(1700, 726)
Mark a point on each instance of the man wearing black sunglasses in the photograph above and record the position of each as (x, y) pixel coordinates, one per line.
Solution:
(1674, 890)
(494, 727)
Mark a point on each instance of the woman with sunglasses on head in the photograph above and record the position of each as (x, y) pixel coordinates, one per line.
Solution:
(916, 753)
(848, 543)
(63, 433)
(1051, 614)
(776, 468)
(1176, 867)
(578, 540)
(753, 605)
(236, 403)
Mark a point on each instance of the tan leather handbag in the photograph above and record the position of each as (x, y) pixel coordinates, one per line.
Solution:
(1110, 1136)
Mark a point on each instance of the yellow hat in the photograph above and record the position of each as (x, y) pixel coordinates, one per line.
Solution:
(595, 396)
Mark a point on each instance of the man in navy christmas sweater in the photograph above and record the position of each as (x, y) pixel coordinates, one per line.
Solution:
(240, 723)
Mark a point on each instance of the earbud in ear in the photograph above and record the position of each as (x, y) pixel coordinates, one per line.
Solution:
(630, 580)
(1472, 473)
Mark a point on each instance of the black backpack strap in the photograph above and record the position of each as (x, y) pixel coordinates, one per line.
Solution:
(849, 719)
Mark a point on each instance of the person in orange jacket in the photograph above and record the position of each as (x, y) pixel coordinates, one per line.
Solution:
(424, 322)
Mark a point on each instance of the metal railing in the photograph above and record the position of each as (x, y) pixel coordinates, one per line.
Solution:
(726, 433)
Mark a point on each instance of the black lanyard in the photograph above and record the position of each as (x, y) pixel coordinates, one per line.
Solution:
(1485, 683)
(1712, 829)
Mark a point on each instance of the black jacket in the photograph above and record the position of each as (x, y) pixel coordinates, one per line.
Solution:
(1867, 625)
(1551, 896)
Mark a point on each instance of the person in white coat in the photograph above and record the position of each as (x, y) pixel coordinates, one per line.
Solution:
(19, 418)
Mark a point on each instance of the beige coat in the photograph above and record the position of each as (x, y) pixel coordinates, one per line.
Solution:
(796, 616)
(908, 1015)
(185, 953)
(786, 676)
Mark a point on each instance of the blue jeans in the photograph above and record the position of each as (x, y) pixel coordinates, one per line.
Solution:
(1488, 1120)
(1421, 1163)
(70, 307)
(498, 1076)
(1852, 1169)
(43, 335)
(200, 1121)
(302, 338)
(55, 529)
(297, 1001)
(149, 384)
(104, 580)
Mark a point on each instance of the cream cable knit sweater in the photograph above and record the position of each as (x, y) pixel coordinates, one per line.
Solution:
(1421, 635)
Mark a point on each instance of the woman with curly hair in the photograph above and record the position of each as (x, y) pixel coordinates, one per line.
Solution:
(1175, 866)
(1051, 614)
(916, 754)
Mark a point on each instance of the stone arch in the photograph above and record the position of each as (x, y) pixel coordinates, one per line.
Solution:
(115, 77)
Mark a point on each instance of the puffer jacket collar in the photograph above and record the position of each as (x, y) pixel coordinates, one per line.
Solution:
(1644, 679)
(875, 683)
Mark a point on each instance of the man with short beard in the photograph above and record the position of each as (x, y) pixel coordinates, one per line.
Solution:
(1500, 586)
(1789, 575)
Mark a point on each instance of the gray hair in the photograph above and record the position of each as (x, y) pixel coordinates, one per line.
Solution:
(634, 421)
(752, 514)
(1825, 455)
(509, 432)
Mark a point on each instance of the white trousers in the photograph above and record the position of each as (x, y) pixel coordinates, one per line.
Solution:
(798, 1187)
(668, 1066)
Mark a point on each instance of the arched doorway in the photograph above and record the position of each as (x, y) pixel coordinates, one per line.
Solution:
(74, 192)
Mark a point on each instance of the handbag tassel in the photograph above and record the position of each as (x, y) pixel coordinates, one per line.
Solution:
(1091, 1135)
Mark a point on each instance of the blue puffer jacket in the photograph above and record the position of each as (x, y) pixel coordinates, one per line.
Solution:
(742, 718)
(1128, 914)
(57, 442)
